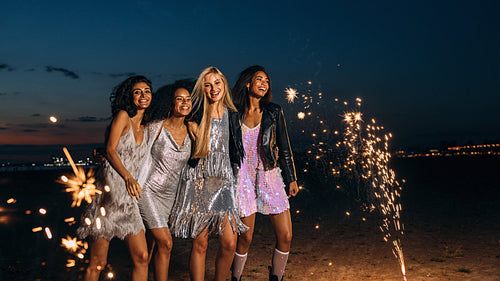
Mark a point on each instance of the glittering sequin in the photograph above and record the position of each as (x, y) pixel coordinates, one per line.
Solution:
(206, 192)
(162, 180)
(258, 190)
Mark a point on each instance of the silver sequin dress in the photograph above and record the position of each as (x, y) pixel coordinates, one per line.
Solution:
(121, 216)
(206, 192)
(162, 179)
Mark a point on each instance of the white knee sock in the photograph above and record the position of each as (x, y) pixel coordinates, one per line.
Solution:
(279, 263)
(238, 264)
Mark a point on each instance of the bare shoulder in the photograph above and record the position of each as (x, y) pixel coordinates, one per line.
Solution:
(121, 122)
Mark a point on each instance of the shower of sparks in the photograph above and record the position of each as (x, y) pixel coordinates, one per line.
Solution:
(353, 159)
(53, 119)
(291, 94)
(375, 184)
(81, 185)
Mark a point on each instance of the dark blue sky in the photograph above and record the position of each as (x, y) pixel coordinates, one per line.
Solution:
(427, 71)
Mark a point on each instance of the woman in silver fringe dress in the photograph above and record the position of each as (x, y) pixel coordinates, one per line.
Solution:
(205, 201)
(168, 151)
(115, 213)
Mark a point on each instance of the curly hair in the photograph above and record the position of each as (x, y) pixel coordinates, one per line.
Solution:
(240, 91)
(163, 99)
(122, 98)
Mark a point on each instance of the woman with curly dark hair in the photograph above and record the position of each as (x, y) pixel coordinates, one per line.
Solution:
(265, 168)
(115, 213)
(168, 152)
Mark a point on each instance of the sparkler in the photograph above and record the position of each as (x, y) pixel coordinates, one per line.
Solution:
(71, 244)
(357, 158)
(376, 186)
(291, 94)
(81, 185)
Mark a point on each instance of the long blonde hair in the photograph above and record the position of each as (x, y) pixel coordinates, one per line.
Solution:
(200, 101)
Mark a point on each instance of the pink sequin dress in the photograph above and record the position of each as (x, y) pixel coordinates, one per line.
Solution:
(258, 190)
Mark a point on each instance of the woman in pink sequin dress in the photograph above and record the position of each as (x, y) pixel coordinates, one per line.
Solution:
(265, 167)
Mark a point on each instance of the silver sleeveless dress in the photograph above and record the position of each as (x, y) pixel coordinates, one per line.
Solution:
(162, 179)
(206, 192)
(121, 215)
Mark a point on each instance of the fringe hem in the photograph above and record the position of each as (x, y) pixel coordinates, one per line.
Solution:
(94, 234)
(191, 225)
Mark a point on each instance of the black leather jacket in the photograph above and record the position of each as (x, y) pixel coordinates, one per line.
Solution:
(274, 141)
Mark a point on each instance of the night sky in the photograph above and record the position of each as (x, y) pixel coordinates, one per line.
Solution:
(427, 71)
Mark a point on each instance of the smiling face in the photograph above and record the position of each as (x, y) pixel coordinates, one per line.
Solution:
(259, 84)
(181, 105)
(213, 86)
(141, 95)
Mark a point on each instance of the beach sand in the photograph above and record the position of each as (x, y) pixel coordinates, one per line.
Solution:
(450, 213)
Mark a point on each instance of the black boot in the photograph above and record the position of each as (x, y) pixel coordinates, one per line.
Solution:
(274, 277)
(234, 278)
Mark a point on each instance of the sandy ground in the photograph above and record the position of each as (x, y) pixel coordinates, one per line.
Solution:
(452, 232)
(351, 249)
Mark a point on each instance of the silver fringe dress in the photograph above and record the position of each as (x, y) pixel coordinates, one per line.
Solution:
(121, 214)
(206, 192)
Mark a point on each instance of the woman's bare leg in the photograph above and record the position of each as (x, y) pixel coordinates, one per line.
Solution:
(198, 255)
(282, 224)
(139, 253)
(225, 254)
(245, 238)
(244, 241)
(98, 259)
(164, 243)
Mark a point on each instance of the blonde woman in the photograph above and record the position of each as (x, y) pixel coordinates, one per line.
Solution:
(205, 201)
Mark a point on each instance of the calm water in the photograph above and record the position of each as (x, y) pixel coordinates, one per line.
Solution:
(444, 190)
